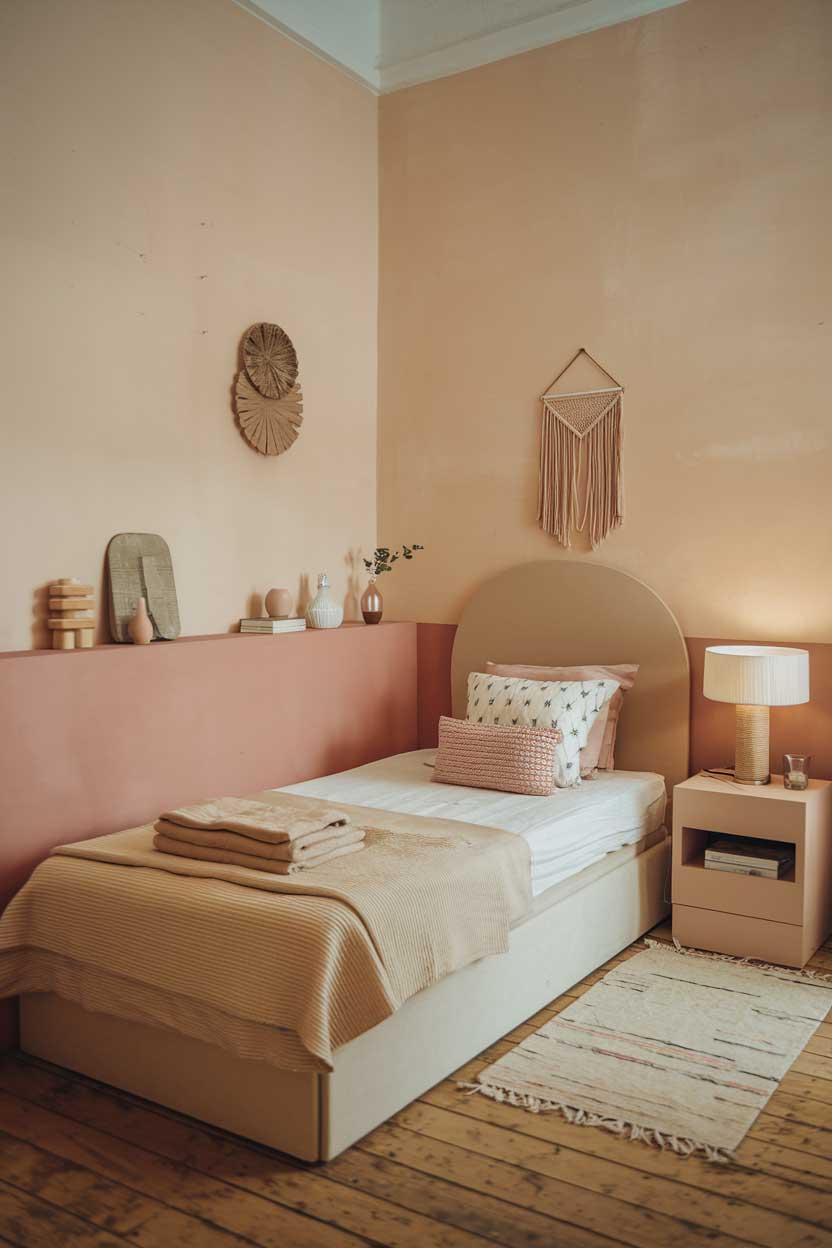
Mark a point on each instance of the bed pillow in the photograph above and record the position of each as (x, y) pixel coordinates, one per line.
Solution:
(491, 756)
(571, 706)
(599, 751)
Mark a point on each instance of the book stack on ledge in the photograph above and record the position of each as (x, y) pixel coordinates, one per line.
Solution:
(272, 626)
(749, 856)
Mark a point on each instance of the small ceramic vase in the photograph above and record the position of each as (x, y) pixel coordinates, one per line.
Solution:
(372, 603)
(279, 604)
(140, 627)
(322, 611)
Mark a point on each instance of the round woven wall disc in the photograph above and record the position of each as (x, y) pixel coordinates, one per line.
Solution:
(270, 359)
(270, 425)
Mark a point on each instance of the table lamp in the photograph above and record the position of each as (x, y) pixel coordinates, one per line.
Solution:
(755, 678)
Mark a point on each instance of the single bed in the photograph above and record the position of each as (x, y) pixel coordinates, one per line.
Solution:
(599, 867)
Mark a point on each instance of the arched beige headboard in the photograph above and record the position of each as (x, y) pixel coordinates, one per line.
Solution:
(562, 612)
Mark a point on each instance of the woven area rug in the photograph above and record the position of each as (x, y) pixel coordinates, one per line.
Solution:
(673, 1048)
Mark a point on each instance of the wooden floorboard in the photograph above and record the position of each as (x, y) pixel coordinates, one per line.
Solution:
(34, 1223)
(85, 1166)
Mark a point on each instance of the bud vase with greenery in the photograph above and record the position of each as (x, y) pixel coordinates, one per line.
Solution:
(372, 603)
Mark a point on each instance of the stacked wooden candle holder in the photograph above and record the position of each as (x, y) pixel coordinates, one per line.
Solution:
(71, 615)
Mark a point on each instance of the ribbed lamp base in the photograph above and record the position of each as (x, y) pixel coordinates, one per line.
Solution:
(752, 752)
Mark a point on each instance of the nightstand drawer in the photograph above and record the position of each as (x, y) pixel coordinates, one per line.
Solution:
(747, 895)
(739, 936)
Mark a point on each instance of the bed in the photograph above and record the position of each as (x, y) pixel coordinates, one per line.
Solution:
(599, 861)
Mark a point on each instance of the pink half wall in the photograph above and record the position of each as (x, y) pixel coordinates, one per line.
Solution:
(104, 739)
(805, 729)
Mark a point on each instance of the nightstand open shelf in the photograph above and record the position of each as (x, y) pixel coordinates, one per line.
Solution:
(695, 842)
(750, 895)
(782, 920)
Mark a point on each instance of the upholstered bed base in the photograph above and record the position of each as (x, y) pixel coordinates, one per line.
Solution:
(315, 1117)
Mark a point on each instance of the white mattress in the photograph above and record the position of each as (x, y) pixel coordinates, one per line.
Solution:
(566, 832)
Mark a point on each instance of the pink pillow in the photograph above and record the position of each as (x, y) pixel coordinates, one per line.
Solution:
(599, 750)
(496, 756)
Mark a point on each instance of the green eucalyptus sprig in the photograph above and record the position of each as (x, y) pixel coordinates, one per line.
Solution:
(383, 558)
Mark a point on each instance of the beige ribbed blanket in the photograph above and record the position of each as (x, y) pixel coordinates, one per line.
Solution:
(281, 968)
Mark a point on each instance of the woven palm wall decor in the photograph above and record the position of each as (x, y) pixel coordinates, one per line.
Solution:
(580, 458)
(267, 393)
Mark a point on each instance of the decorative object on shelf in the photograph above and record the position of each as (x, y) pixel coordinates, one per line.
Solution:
(755, 678)
(272, 627)
(796, 771)
(71, 614)
(322, 611)
(270, 360)
(139, 566)
(268, 397)
(372, 603)
(140, 627)
(279, 604)
(578, 426)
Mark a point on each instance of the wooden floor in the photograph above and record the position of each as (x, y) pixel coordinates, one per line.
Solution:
(82, 1165)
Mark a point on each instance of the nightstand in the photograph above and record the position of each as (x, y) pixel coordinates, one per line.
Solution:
(782, 921)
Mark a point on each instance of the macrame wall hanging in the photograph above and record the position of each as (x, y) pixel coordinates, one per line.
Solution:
(580, 458)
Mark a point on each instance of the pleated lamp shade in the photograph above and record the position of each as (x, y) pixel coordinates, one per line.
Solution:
(756, 675)
(755, 678)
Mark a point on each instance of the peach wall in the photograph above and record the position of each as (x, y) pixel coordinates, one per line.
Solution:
(659, 192)
(173, 171)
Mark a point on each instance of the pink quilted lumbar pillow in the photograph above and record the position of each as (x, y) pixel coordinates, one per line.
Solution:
(496, 756)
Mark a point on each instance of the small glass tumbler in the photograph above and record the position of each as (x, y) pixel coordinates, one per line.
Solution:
(796, 770)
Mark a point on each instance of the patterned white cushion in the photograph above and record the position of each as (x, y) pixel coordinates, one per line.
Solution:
(568, 705)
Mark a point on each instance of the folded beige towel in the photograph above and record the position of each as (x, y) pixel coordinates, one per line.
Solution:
(261, 821)
(306, 849)
(256, 862)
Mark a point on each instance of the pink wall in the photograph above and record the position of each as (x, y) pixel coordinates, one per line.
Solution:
(105, 739)
(435, 644)
(794, 729)
(176, 170)
(657, 191)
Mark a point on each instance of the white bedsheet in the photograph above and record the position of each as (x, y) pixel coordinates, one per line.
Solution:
(566, 832)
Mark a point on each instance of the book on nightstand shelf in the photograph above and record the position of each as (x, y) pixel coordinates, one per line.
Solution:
(749, 856)
(270, 627)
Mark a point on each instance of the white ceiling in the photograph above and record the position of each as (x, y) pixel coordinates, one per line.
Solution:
(389, 44)
(347, 32)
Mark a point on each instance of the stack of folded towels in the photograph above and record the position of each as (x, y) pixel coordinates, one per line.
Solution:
(244, 833)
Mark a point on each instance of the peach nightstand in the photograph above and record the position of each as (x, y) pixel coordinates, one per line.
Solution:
(781, 921)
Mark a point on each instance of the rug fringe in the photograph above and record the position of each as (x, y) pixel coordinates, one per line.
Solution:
(819, 976)
(683, 1147)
